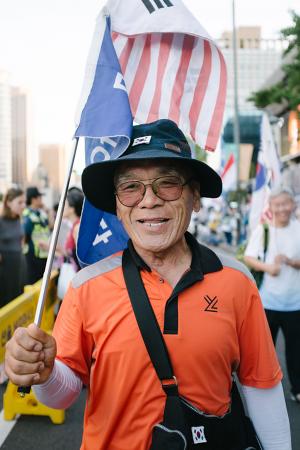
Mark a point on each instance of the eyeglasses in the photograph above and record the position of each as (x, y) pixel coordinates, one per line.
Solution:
(131, 193)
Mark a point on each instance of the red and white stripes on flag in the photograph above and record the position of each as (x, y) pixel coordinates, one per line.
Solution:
(175, 76)
(171, 67)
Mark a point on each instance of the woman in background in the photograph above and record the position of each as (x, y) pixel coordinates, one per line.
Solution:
(11, 240)
(72, 213)
(70, 264)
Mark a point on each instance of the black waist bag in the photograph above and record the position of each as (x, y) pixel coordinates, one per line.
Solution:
(184, 427)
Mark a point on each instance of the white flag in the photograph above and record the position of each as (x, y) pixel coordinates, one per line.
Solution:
(269, 153)
(229, 174)
(268, 175)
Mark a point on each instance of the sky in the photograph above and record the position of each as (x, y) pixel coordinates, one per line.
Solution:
(44, 46)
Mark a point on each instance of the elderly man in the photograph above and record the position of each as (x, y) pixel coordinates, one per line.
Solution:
(280, 289)
(207, 308)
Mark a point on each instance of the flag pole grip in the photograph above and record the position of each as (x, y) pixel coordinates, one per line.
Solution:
(53, 241)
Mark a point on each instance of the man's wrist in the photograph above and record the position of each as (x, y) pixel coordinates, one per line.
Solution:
(52, 376)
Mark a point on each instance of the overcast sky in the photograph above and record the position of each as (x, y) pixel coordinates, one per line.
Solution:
(44, 45)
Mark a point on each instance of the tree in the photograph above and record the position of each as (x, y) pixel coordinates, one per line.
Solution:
(286, 91)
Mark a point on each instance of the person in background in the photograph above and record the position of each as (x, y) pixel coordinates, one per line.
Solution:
(64, 230)
(228, 225)
(11, 240)
(37, 234)
(280, 289)
(214, 224)
(72, 212)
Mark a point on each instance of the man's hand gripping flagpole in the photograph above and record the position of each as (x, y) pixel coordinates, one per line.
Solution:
(45, 280)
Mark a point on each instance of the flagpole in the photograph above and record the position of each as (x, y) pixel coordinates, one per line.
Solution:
(46, 276)
(54, 237)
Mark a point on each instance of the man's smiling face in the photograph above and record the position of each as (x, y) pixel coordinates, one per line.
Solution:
(156, 225)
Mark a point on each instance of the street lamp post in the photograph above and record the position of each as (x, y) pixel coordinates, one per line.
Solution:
(236, 124)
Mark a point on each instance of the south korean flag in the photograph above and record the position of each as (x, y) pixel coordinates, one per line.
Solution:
(198, 435)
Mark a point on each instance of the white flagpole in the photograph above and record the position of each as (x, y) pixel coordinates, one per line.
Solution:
(46, 276)
(54, 237)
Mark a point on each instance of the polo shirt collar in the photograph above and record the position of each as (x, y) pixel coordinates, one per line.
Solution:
(204, 260)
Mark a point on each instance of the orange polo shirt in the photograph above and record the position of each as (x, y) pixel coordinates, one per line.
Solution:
(213, 323)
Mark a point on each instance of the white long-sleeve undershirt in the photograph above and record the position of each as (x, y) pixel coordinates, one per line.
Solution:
(61, 389)
(266, 407)
(267, 410)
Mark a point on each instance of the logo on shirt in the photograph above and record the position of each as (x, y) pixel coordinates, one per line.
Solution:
(198, 435)
(211, 303)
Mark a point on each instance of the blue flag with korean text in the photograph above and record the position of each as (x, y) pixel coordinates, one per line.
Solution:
(105, 120)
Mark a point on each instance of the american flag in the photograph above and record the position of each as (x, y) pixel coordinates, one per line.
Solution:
(188, 82)
(171, 67)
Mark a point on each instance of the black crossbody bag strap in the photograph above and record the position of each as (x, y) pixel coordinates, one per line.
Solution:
(149, 328)
(266, 239)
(146, 319)
(157, 350)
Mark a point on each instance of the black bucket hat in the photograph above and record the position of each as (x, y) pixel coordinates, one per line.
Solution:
(156, 141)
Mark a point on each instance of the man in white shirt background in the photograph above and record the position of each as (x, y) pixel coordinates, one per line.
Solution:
(280, 288)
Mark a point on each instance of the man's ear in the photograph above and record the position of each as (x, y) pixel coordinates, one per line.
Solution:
(117, 210)
(197, 199)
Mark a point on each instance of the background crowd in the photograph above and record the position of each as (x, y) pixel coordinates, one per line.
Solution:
(25, 230)
(26, 225)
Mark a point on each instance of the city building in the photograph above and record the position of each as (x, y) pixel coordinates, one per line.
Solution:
(5, 132)
(50, 173)
(257, 59)
(19, 129)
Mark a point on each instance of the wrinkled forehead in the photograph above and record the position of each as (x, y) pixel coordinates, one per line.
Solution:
(130, 169)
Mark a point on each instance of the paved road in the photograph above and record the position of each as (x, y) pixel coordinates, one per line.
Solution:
(35, 433)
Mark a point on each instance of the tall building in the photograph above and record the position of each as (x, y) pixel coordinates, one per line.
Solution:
(19, 125)
(247, 37)
(52, 167)
(5, 132)
(257, 59)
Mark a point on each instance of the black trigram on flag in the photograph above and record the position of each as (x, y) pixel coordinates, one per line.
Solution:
(154, 5)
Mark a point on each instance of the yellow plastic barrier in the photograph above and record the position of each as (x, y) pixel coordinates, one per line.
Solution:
(13, 404)
(20, 312)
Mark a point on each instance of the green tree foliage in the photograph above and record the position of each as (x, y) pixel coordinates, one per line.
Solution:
(288, 89)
